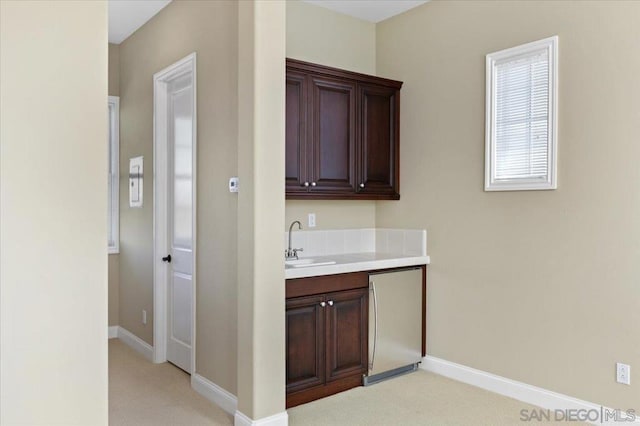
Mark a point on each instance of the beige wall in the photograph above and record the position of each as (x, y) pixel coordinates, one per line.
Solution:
(53, 262)
(319, 35)
(261, 298)
(538, 286)
(210, 30)
(114, 69)
(338, 214)
(114, 264)
(114, 289)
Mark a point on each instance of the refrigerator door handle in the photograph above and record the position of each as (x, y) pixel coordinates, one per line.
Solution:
(372, 288)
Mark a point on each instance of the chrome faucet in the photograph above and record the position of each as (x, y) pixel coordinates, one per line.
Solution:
(292, 253)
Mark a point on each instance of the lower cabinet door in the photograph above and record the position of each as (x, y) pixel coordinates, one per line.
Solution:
(346, 333)
(305, 346)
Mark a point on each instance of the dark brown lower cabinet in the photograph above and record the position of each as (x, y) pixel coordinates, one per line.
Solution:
(326, 338)
(346, 319)
(305, 340)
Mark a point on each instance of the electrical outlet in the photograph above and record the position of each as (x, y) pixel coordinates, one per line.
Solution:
(623, 373)
(144, 316)
(312, 220)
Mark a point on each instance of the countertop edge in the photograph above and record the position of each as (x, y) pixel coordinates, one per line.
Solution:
(343, 268)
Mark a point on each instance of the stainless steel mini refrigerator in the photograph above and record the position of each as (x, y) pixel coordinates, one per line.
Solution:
(395, 323)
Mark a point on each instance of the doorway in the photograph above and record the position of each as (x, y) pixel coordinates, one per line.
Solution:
(174, 160)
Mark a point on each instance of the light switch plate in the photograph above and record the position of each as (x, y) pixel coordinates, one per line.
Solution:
(136, 181)
(233, 184)
(312, 220)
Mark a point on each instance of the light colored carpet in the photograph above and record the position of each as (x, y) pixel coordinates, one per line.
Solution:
(418, 398)
(142, 393)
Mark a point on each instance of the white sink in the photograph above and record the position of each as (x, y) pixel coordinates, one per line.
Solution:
(303, 263)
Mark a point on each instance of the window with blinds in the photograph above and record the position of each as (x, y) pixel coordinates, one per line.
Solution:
(521, 117)
(113, 232)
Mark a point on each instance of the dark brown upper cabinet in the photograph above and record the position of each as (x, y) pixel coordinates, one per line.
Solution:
(342, 134)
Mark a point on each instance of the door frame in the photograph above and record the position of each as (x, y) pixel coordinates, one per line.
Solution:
(186, 65)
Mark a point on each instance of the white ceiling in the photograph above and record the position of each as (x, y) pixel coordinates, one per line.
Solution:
(369, 10)
(126, 16)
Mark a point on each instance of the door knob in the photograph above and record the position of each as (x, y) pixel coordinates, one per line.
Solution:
(323, 304)
(330, 302)
(362, 185)
(313, 184)
(167, 258)
(305, 184)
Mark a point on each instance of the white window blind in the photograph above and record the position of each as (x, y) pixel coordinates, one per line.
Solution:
(113, 232)
(521, 117)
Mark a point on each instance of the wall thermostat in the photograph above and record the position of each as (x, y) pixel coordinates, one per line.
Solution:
(233, 184)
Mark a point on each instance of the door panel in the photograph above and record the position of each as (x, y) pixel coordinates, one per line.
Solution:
(378, 147)
(182, 172)
(296, 132)
(180, 221)
(398, 339)
(333, 136)
(182, 260)
(346, 335)
(181, 296)
(304, 334)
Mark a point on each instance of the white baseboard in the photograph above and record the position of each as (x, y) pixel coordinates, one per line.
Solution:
(280, 419)
(513, 389)
(113, 331)
(214, 393)
(136, 343)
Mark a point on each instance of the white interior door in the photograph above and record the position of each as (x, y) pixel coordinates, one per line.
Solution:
(180, 196)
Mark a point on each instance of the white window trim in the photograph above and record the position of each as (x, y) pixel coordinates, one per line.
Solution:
(490, 184)
(114, 147)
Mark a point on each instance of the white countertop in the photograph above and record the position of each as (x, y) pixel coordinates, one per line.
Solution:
(354, 262)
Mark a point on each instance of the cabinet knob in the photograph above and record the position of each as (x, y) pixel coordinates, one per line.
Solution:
(323, 304)
(362, 185)
(313, 184)
(330, 302)
(305, 184)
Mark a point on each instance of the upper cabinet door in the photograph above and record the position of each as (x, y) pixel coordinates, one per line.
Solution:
(378, 154)
(296, 132)
(333, 135)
